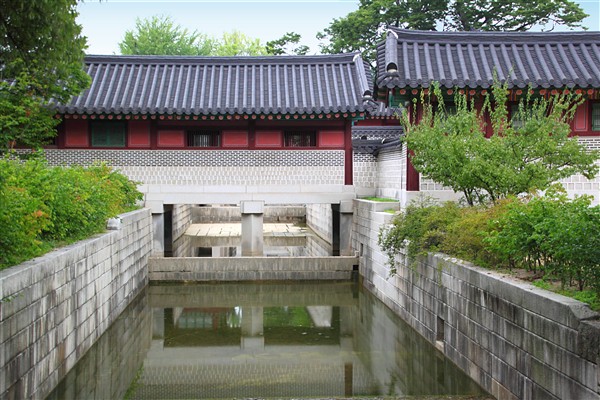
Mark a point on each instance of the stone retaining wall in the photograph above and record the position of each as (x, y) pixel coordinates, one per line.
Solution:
(320, 219)
(515, 340)
(224, 213)
(55, 307)
(182, 219)
(250, 268)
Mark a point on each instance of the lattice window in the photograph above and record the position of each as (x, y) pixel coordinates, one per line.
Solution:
(596, 116)
(108, 133)
(516, 117)
(204, 138)
(300, 139)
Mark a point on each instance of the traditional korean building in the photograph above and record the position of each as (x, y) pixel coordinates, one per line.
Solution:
(221, 129)
(409, 61)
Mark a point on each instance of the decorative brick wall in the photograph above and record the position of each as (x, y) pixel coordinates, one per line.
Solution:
(56, 306)
(391, 173)
(215, 167)
(515, 340)
(365, 171)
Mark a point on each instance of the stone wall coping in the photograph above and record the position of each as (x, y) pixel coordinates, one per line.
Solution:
(31, 271)
(562, 309)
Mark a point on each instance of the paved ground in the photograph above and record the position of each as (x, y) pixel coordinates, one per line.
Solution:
(235, 230)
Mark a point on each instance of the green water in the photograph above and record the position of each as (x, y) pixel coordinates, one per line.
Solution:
(261, 340)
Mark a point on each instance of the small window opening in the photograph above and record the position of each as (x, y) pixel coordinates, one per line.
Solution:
(596, 116)
(440, 330)
(300, 139)
(204, 138)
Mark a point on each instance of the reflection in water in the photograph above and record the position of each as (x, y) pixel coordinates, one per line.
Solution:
(268, 340)
(299, 242)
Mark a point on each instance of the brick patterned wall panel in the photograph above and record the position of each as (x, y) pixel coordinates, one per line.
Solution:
(198, 158)
(391, 173)
(219, 176)
(365, 171)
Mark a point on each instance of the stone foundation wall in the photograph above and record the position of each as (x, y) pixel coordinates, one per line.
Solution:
(320, 219)
(272, 214)
(202, 269)
(182, 219)
(119, 354)
(56, 306)
(515, 340)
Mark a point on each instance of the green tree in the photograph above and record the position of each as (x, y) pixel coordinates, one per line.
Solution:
(362, 29)
(159, 35)
(235, 43)
(287, 44)
(453, 149)
(42, 50)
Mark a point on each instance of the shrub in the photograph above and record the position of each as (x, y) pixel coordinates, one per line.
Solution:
(552, 234)
(420, 228)
(41, 206)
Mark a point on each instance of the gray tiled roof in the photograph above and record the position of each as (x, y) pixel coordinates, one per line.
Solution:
(377, 132)
(371, 139)
(224, 85)
(412, 59)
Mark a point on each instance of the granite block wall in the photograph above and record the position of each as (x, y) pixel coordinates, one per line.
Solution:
(224, 213)
(515, 340)
(182, 219)
(250, 268)
(118, 354)
(55, 307)
(320, 219)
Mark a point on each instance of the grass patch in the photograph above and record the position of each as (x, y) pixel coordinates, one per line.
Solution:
(588, 297)
(380, 199)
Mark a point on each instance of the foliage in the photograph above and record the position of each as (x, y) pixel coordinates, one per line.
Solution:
(453, 149)
(158, 35)
(418, 229)
(42, 205)
(553, 234)
(362, 29)
(235, 43)
(381, 199)
(287, 44)
(42, 50)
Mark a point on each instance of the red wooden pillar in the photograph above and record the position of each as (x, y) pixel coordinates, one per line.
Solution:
(348, 158)
(412, 175)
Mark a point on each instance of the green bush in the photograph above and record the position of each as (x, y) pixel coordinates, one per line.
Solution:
(41, 206)
(552, 236)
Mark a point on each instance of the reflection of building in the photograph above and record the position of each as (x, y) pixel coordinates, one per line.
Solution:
(312, 340)
(277, 349)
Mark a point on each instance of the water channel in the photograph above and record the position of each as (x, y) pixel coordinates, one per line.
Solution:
(261, 340)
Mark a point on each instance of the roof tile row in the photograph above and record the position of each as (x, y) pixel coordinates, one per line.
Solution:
(470, 59)
(224, 85)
